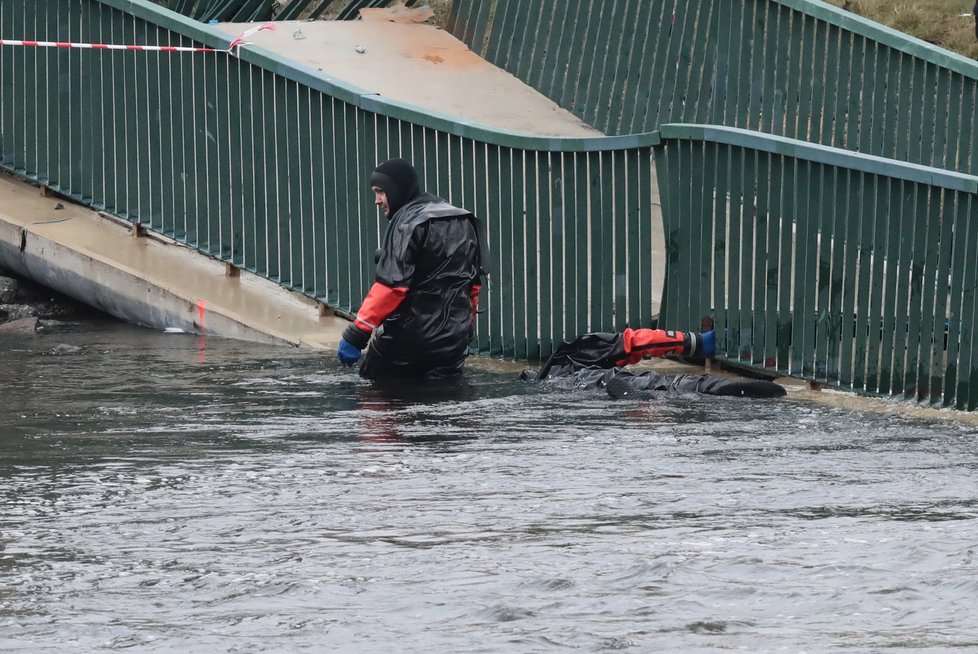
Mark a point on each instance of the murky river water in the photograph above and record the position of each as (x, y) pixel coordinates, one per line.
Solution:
(161, 493)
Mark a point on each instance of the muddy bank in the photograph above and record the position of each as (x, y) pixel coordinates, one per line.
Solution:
(27, 307)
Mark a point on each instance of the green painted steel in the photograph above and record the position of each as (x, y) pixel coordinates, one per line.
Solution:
(797, 68)
(816, 261)
(823, 264)
(263, 163)
(243, 11)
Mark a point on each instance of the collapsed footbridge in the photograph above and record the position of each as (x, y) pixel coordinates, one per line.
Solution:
(804, 177)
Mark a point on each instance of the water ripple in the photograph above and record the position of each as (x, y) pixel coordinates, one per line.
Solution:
(162, 497)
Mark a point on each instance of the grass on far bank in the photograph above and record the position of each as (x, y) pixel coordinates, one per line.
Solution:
(936, 21)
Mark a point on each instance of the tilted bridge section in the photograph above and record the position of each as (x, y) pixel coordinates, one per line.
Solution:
(816, 173)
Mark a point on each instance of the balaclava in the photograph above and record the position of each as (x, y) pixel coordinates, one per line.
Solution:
(398, 179)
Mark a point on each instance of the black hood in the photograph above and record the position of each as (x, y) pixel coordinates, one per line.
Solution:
(399, 180)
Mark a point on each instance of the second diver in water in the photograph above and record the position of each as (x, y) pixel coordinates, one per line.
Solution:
(596, 360)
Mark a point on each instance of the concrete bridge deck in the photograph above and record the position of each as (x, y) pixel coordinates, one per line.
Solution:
(420, 65)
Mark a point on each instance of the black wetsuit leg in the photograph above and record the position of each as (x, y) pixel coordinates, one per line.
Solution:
(620, 383)
(623, 384)
(378, 367)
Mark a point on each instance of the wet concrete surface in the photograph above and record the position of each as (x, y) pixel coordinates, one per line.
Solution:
(419, 65)
(148, 280)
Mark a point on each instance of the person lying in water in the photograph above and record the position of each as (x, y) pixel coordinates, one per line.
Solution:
(596, 360)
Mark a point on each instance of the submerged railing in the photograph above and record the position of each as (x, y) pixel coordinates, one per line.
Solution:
(822, 264)
(797, 68)
(263, 163)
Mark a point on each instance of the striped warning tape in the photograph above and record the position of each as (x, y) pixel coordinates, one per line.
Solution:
(236, 43)
(104, 46)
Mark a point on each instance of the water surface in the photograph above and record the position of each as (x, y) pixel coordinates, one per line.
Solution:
(166, 493)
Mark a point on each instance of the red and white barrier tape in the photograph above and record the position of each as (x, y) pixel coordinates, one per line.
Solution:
(236, 43)
(240, 40)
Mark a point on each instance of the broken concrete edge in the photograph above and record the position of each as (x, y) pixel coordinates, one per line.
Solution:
(20, 326)
(22, 298)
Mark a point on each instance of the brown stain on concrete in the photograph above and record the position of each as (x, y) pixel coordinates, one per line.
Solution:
(419, 65)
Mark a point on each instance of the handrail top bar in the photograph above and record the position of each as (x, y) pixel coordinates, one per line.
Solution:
(172, 20)
(889, 37)
(821, 154)
(369, 101)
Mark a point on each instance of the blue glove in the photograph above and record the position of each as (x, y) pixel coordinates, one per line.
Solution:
(347, 353)
(708, 344)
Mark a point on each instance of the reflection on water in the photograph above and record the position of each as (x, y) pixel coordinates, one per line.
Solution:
(167, 493)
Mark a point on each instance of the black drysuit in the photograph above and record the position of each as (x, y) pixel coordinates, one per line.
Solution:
(589, 361)
(425, 297)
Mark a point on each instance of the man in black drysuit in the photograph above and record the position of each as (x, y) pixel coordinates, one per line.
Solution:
(421, 308)
(595, 361)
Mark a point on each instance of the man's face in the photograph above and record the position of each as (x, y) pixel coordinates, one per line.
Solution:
(380, 199)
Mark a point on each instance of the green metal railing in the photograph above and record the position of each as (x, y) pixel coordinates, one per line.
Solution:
(822, 264)
(259, 10)
(838, 267)
(246, 10)
(263, 163)
(796, 68)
